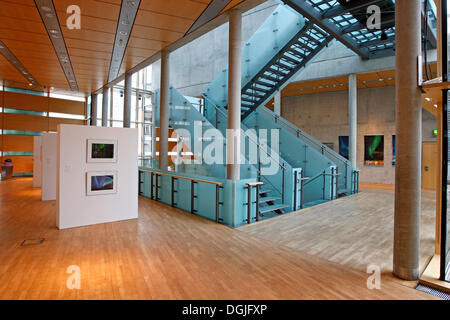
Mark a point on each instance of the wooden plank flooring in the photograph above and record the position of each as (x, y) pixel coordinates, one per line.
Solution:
(355, 231)
(165, 254)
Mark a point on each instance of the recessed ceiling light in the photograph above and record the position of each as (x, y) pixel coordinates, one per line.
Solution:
(45, 8)
(436, 106)
(125, 22)
(124, 33)
(428, 99)
(30, 84)
(53, 31)
(49, 15)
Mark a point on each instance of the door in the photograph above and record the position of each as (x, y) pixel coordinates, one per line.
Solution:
(429, 165)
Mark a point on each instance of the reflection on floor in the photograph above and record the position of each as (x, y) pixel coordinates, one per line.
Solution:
(165, 254)
(355, 231)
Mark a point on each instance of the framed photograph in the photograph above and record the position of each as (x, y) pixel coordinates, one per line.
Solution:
(101, 182)
(374, 150)
(344, 146)
(101, 151)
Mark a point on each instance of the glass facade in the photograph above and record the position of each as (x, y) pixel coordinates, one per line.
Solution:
(445, 221)
(140, 113)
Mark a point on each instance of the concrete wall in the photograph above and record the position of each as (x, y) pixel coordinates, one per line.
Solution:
(325, 117)
(195, 65)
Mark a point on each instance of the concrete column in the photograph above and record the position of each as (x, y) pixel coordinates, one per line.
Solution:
(105, 107)
(277, 103)
(127, 102)
(164, 111)
(234, 95)
(409, 137)
(93, 109)
(352, 118)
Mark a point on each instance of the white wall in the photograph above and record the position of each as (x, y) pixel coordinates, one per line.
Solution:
(49, 157)
(37, 162)
(74, 207)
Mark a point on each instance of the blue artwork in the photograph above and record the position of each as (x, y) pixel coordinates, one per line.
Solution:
(394, 151)
(344, 146)
(101, 183)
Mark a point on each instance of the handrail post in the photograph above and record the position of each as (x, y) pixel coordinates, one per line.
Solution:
(357, 184)
(301, 188)
(157, 187)
(249, 203)
(337, 182)
(257, 202)
(151, 186)
(283, 183)
(173, 191)
(332, 184)
(295, 190)
(217, 203)
(192, 196)
(324, 181)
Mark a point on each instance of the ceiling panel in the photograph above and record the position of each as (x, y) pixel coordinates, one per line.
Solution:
(158, 24)
(22, 31)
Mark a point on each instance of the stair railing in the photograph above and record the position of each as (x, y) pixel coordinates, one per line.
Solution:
(282, 166)
(336, 158)
(324, 175)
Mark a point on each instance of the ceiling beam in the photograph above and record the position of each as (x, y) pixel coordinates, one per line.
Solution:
(387, 21)
(4, 50)
(125, 24)
(212, 10)
(378, 41)
(214, 23)
(313, 15)
(50, 20)
(351, 6)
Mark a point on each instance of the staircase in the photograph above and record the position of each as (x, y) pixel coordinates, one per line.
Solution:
(301, 49)
(269, 205)
(278, 50)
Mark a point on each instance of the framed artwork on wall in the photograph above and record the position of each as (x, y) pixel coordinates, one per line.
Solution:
(101, 182)
(374, 150)
(101, 151)
(344, 146)
(394, 151)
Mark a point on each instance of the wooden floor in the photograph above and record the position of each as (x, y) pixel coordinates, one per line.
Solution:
(355, 231)
(165, 254)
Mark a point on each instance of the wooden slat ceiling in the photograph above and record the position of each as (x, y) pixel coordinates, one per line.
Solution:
(158, 24)
(365, 80)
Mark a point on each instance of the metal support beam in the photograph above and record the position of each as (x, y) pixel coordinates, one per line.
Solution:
(93, 110)
(351, 6)
(127, 102)
(105, 107)
(310, 13)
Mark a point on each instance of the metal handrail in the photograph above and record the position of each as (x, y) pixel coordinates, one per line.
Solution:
(180, 177)
(299, 131)
(250, 138)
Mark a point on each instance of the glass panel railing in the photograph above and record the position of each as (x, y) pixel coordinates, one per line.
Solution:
(307, 154)
(266, 43)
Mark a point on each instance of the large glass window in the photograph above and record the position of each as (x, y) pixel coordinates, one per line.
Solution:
(140, 113)
(445, 222)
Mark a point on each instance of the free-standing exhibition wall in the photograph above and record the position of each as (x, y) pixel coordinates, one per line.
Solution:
(49, 157)
(37, 161)
(97, 175)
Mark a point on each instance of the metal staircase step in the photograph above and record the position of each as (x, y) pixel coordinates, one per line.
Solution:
(268, 199)
(274, 207)
(265, 191)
